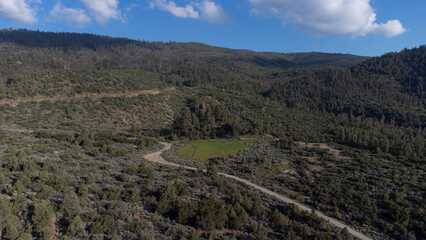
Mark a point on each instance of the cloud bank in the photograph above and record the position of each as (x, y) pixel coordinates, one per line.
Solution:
(322, 17)
(70, 16)
(18, 10)
(103, 10)
(325, 17)
(204, 10)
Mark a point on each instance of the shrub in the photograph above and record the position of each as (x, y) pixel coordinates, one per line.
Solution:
(70, 205)
(43, 214)
(76, 226)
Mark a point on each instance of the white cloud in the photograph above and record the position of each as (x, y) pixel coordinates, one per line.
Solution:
(70, 16)
(355, 17)
(17, 10)
(103, 10)
(212, 12)
(184, 12)
(391, 28)
(205, 10)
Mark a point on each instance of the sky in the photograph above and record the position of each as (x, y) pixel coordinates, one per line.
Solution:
(361, 27)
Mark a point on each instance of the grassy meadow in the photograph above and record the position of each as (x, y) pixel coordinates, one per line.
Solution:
(202, 150)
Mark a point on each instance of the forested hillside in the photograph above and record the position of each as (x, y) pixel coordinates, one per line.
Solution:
(341, 133)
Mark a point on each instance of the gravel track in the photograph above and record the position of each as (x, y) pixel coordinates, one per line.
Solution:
(156, 158)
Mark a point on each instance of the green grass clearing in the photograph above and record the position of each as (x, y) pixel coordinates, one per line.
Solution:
(202, 150)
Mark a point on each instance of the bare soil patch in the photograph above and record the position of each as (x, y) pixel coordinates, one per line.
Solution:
(335, 152)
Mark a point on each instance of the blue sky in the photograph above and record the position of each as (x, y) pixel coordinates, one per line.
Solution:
(362, 27)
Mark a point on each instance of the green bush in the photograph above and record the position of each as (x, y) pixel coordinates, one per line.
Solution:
(43, 214)
(70, 205)
(76, 226)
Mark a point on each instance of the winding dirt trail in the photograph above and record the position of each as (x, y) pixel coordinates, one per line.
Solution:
(40, 98)
(156, 158)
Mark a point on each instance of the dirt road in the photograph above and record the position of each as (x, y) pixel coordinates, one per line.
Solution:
(40, 98)
(156, 157)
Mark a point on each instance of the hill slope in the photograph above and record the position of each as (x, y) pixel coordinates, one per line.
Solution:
(79, 111)
(72, 41)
